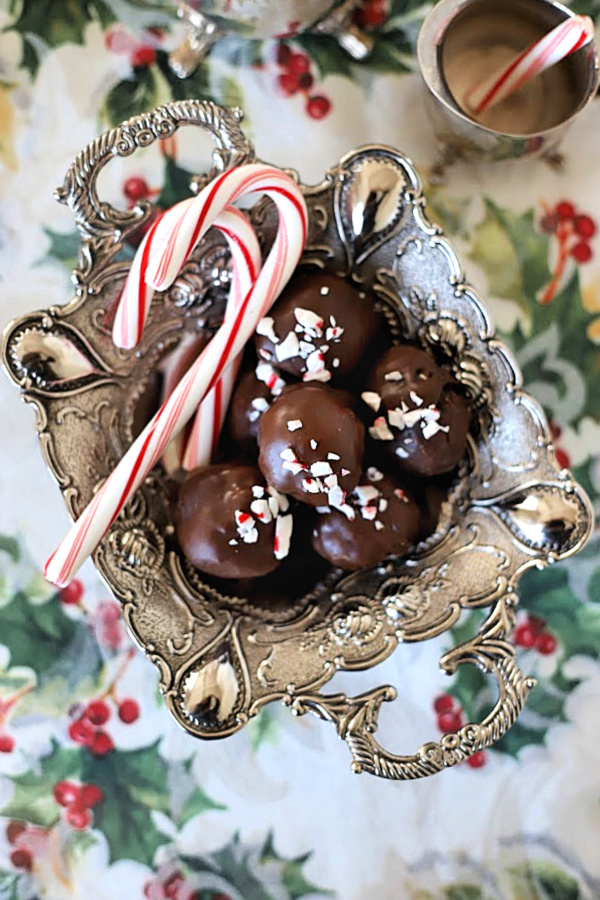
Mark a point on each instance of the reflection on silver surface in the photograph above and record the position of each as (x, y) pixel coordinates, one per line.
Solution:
(210, 693)
(374, 198)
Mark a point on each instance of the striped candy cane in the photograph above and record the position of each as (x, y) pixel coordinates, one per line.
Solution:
(566, 38)
(134, 306)
(89, 529)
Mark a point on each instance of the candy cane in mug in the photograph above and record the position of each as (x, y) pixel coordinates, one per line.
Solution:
(230, 339)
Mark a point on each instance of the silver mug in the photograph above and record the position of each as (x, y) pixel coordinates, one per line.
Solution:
(455, 28)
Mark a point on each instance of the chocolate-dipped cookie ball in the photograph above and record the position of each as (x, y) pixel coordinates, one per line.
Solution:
(251, 397)
(230, 524)
(320, 327)
(311, 445)
(419, 414)
(382, 519)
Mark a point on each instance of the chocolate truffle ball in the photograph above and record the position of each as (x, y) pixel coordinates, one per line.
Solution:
(319, 328)
(311, 445)
(382, 520)
(419, 414)
(230, 524)
(251, 397)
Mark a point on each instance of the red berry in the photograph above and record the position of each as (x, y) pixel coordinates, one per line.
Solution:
(477, 760)
(21, 859)
(545, 644)
(443, 704)
(449, 721)
(565, 210)
(7, 743)
(555, 430)
(136, 188)
(129, 711)
(97, 712)
(318, 106)
(72, 593)
(297, 64)
(584, 226)
(78, 816)
(305, 81)
(562, 458)
(549, 223)
(66, 793)
(172, 885)
(283, 54)
(81, 732)
(288, 84)
(101, 744)
(91, 795)
(524, 635)
(14, 829)
(372, 14)
(581, 252)
(536, 624)
(142, 57)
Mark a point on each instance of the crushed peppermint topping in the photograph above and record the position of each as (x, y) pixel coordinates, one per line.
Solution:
(372, 399)
(294, 424)
(380, 431)
(345, 472)
(330, 481)
(323, 510)
(378, 525)
(399, 493)
(259, 406)
(373, 474)
(393, 376)
(324, 291)
(233, 542)
(368, 512)
(335, 362)
(365, 493)
(310, 321)
(283, 535)
(262, 511)
(265, 328)
(314, 444)
(334, 333)
(332, 456)
(399, 451)
(246, 527)
(319, 469)
(418, 401)
(288, 348)
(323, 375)
(258, 491)
(305, 348)
(288, 454)
(267, 374)
(383, 504)
(311, 485)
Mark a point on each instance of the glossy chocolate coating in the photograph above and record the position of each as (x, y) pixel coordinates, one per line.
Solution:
(340, 306)
(311, 424)
(378, 529)
(205, 519)
(423, 417)
(245, 409)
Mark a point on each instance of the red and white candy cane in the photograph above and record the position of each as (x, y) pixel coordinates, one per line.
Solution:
(134, 305)
(89, 529)
(566, 38)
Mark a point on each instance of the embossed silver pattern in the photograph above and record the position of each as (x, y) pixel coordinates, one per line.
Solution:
(222, 658)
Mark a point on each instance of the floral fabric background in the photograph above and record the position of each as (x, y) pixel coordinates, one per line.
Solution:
(101, 795)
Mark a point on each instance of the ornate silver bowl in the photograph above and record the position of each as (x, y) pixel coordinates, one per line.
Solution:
(221, 658)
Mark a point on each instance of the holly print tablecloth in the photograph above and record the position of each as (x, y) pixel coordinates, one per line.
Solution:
(101, 795)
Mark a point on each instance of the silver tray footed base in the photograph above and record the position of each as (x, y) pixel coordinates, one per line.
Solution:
(221, 658)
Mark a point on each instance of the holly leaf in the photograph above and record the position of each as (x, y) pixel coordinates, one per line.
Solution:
(176, 184)
(9, 886)
(543, 881)
(263, 729)
(41, 637)
(133, 782)
(64, 247)
(11, 547)
(293, 877)
(54, 24)
(131, 96)
(33, 799)
(463, 892)
(513, 255)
